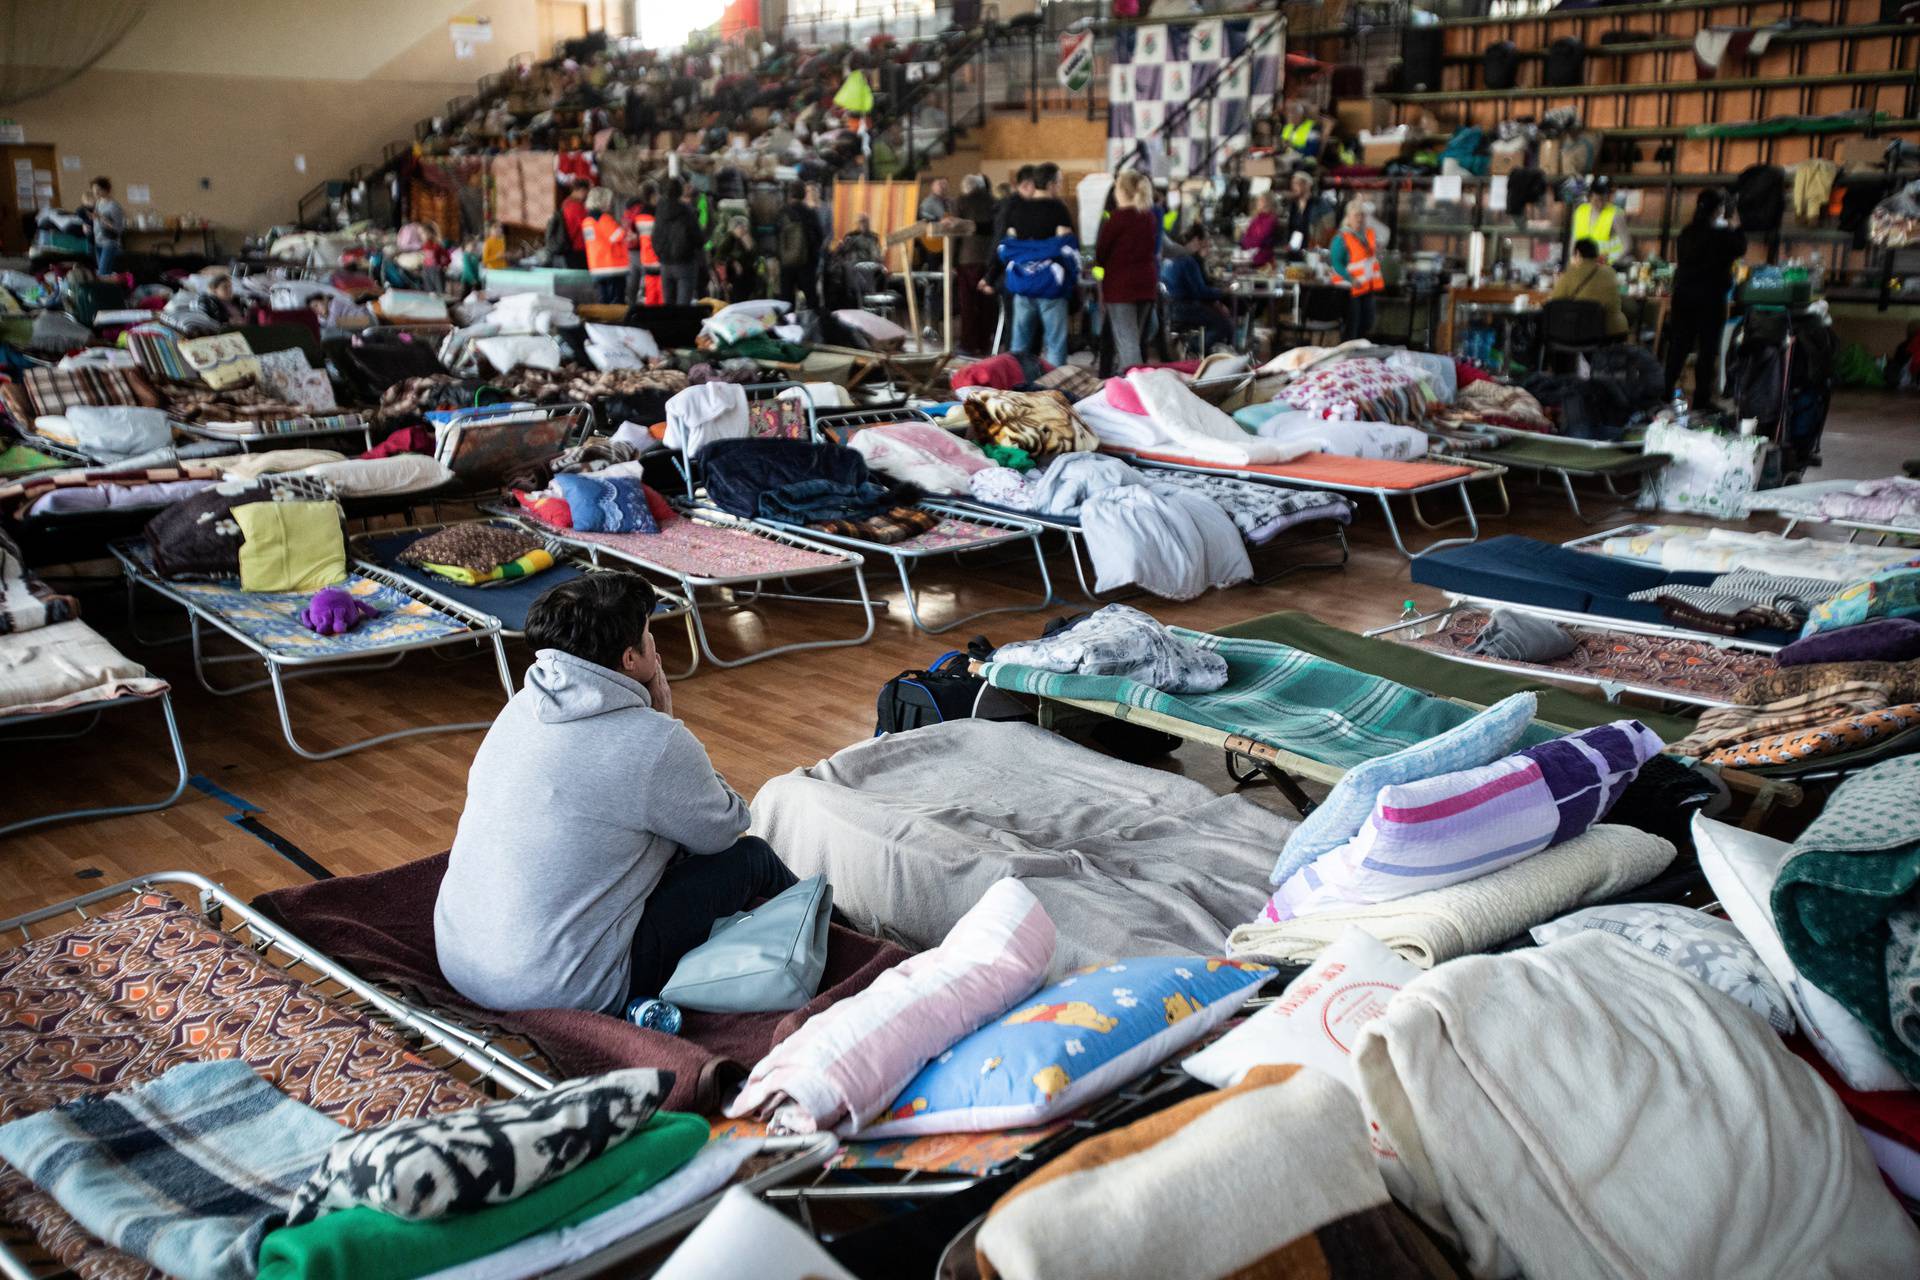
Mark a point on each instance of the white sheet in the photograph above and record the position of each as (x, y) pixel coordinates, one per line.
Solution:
(1309, 432)
(1188, 425)
(1168, 540)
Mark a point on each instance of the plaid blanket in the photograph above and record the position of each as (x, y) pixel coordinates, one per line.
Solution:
(1276, 695)
(189, 1171)
(54, 391)
(26, 603)
(17, 496)
(896, 524)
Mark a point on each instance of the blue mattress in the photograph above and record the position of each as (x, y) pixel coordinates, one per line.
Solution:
(507, 601)
(1525, 570)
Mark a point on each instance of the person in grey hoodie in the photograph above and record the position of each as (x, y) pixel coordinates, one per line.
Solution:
(598, 844)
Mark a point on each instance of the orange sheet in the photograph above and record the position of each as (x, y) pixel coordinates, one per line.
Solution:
(1324, 468)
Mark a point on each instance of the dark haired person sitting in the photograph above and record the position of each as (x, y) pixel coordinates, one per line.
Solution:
(598, 844)
(1587, 279)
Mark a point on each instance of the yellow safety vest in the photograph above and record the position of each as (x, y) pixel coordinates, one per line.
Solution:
(1599, 230)
(1297, 135)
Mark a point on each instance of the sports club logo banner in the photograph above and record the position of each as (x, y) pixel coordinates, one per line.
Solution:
(1232, 69)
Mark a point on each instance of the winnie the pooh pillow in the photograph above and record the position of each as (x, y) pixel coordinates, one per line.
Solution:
(1071, 1043)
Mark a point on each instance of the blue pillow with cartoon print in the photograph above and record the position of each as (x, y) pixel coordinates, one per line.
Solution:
(1070, 1044)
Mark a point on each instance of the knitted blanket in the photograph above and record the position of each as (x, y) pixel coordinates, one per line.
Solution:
(1441, 924)
(1169, 1196)
(1849, 878)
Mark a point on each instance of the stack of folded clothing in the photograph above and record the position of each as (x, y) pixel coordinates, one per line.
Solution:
(1744, 600)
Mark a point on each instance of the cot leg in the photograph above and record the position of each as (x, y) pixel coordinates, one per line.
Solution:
(500, 662)
(278, 681)
(133, 618)
(1282, 781)
(1466, 502)
(866, 603)
(900, 563)
(179, 785)
(1793, 523)
(693, 638)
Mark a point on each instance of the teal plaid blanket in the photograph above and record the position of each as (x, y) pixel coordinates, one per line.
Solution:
(188, 1172)
(1276, 695)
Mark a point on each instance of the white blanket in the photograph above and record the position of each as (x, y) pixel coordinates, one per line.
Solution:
(1178, 421)
(699, 415)
(1700, 549)
(1309, 432)
(1440, 924)
(1585, 1109)
(1164, 538)
(912, 828)
(65, 665)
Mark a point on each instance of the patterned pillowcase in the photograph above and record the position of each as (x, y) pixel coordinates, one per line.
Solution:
(1339, 817)
(1075, 382)
(1070, 1043)
(462, 1161)
(606, 506)
(1706, 947)
(1891, 593)
(1443, 830)
(478, 546)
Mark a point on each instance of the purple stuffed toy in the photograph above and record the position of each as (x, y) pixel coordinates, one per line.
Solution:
(333, 611)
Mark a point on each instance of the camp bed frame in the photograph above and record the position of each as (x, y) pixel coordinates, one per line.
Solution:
(1795, 517)
(670, 605)
(441, 1043)
(281, 667)
(834, 429)
(1568, 617)
(318, 429)
(1637, 467)
(748, 589)
(93, 711)
(1483, 471)
(1609, 689)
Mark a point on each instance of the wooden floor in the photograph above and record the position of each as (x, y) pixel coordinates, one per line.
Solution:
(392, 803)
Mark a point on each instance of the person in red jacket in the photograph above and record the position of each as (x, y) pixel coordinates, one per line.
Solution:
(573, 211)
(1128, 255)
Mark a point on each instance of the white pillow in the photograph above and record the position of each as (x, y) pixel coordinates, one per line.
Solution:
(508, 354)
(368, 477)
(1702, 946)
(1315, 1020)
(1742, 867)
(413, 304)
(112, 431)
(619, 346)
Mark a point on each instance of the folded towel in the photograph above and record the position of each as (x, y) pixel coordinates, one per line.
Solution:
(1428, 928)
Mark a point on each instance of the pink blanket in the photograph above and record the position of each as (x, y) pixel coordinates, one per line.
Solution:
(847, 1063)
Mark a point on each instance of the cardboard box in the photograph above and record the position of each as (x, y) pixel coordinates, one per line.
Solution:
(1499, 161)
(1358, 115)
(1381, 153)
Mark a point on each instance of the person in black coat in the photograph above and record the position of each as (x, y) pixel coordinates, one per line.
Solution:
(1708, 247)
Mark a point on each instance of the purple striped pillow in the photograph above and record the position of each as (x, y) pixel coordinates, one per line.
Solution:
(1457, 826)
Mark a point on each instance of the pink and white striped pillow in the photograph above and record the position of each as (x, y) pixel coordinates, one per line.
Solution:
(1458, 826)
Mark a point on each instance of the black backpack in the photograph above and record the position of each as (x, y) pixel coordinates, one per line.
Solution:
(1566, 62)
(1500, 65)
(1420, 49)
(944, 691)
(1760, 193)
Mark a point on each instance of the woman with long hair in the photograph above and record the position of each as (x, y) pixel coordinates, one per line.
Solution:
(1128, 255)
(1708, 247)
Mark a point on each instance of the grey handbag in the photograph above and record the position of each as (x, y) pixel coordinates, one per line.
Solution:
(761, 961)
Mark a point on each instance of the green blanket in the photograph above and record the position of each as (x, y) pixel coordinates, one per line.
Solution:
(1847, 890)
(1442, 675)
(1579, 459)
(365, 1244)
(20, 460)
(759, 347)
(1277, 695)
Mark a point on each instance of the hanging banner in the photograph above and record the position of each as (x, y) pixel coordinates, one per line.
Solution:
(1076, 60)
(1187, 94)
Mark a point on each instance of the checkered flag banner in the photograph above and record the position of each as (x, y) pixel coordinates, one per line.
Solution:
(1190, 92)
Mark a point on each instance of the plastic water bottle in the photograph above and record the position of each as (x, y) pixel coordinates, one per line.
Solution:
(1680, 407)
(655, 1015)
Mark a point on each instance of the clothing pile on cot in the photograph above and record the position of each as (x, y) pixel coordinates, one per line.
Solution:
(984, 939)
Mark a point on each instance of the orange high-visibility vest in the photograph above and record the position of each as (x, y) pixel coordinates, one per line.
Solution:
(1363, 271)
(655, 290)
(606, 243)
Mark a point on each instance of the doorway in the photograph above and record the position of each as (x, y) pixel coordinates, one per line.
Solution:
(29, 182)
